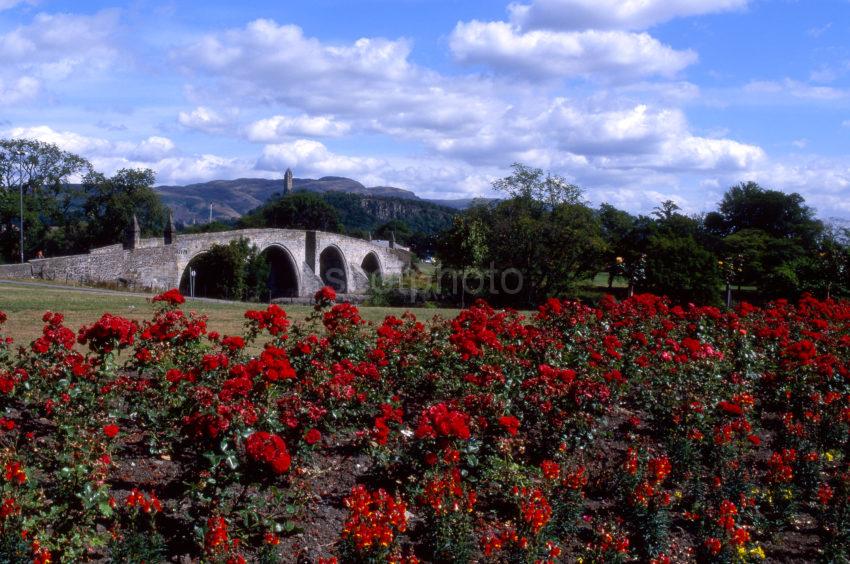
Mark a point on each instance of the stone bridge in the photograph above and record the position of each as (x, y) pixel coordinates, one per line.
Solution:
(301, 261)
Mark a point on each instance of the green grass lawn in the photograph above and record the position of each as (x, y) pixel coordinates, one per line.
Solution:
(25, 305)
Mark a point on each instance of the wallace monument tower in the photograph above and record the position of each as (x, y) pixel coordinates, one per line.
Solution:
(287, 182)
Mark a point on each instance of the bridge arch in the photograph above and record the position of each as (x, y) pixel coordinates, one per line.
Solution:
(185, 284)
(333, 269)
(284, 275)
(371, 265)
(283, 281)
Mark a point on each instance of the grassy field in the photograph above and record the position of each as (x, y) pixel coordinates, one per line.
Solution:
(25, 306)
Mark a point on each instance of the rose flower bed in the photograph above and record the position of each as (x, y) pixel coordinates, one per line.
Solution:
(634, 431)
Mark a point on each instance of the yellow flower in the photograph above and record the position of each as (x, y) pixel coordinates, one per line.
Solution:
(742, 552)
(677, 494)
(757, 551)
(828, 456)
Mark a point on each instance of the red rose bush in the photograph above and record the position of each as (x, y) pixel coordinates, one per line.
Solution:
(630, 431)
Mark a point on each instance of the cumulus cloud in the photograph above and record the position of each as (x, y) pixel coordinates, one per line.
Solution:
(283, 51)
(205, 119)
(314, 158)
(612, 14)
(631, 131)
(370, 81)
(41, 54)
(53, 46)
(181, 170)
(279, 127)
(66, 140)
(614, 55)
(468, 120)
(152, 149)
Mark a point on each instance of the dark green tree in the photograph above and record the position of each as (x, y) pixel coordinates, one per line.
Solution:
(302, 210)
(677, 263)
(111, 202)
(41, 171)
(543, 233)
(394, 228)
(776, 234)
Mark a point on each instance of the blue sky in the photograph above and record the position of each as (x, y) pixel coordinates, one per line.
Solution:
(635, 101)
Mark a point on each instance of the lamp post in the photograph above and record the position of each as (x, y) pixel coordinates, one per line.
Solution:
(19, 153)
(192, 274)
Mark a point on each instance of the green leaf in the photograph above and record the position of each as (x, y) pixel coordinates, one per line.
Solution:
(104, 508)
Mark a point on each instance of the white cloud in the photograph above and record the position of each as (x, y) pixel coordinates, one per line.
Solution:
(66, 140)
(370, 81)
(314, 158)
(263, 46)
(795, 89)
(55, 45)
(279, 127)
(708, 155)
(637, 130)
(610, 138)
(615, 55)
(152, 149)
(18, 90)
(201, 168)
(204, 119)
(612, 14)
(50, 49)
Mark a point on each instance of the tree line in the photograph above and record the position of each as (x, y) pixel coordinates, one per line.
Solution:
(759, 242)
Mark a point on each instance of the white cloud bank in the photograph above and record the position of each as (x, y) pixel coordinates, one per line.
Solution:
(612, 14)
(611, 55)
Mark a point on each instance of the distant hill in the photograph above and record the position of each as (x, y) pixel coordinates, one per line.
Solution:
(232, 199)
(360, 212)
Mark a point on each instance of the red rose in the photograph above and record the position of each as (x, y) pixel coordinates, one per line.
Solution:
(111, 430)
(172, 297)
(730, 408)
(269, 449)
(313, 436)
(325, 297)
(510, 424)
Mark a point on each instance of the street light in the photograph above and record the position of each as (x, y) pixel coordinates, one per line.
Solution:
(192, 274)
(19, 153)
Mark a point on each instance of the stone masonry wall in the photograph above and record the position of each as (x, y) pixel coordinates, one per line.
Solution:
(158, 266)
